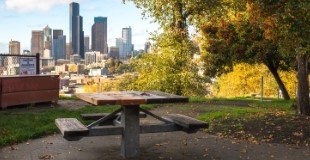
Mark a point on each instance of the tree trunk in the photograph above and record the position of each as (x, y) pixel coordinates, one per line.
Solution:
(303, 85)
(279, 81)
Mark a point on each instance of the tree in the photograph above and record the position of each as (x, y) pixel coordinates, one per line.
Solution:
(245, 80)
(292, 20)
(72, 68)
(237, 38)
(175, 14)
(170, 67)
(113, 65)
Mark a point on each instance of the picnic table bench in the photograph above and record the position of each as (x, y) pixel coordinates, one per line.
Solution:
(125, 120)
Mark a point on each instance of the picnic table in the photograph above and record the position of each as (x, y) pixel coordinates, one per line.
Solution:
(125, 121)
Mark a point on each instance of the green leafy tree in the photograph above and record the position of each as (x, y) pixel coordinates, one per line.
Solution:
(237, 38)
(170, 67)
(292, 21)
(175, 14)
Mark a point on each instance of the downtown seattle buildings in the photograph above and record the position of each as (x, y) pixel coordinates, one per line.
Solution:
(14, 47)
(99, 35)
(76, 30)
(54, 47)
(124, 44)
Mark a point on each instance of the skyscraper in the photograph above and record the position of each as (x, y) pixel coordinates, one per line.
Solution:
(37, 42)
(124, 44)
(120, 45)
(47, 32)
(14, 47)
(59, 44)
(86, 44)
(126, 35)
(76, 30)
(68, 50)
(47, 45)
(99, 35)
(57, 32)
(114, 52)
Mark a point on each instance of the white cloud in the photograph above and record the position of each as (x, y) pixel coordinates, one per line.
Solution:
(33, 5)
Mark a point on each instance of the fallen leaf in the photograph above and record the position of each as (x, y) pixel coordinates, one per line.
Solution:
(184, 141)
(161, 144)
(13, 148)
(243, 151)
(45, 157)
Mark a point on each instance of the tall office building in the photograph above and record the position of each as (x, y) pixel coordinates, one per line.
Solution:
(147, 47)
(99, 35)
(47, 32)
(86, 44)
(120, 45)
(37, 42)
(76, 30)
(126, 35)
(114, 52)
(14, 47)
(125, 43)
(68, 51)
(57, 32)
(59, 44)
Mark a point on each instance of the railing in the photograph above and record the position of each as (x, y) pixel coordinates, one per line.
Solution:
(14, 64)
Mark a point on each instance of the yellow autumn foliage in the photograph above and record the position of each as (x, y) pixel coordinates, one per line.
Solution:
(72, 68)
(246, 79)
(124, 82)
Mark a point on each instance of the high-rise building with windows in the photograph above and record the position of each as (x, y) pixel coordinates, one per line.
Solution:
(37, 42)
(47, 33)
(76, 30)
(126, 35)
(114, 52)
(14, 47)
(68, 51)
(125, 43)
(86, 44)
(57, 32)
(59, 44)
(99, 35)
(147, 47)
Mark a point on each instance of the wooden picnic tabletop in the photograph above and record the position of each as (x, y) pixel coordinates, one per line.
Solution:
(130, 98)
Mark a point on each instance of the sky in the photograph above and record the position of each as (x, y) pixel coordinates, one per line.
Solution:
(19, 17)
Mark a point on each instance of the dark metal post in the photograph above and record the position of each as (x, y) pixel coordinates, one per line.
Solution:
(38, 63)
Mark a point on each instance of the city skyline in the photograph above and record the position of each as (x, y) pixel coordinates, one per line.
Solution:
(57, 17)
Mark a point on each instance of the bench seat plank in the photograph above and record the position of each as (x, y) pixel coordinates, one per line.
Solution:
(188, 123)
(71, 128)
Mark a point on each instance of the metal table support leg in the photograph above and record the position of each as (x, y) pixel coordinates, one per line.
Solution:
(130, 146)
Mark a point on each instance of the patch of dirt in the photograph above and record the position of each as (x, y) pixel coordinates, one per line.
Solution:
(72, 104)
(269, 128)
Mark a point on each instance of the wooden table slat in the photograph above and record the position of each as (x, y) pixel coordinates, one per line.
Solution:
(128, 98)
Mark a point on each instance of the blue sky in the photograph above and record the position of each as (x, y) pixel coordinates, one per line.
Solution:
(19, 17)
